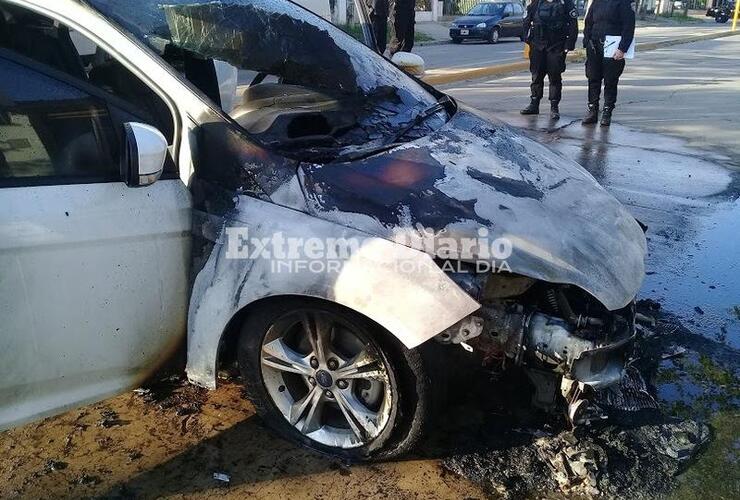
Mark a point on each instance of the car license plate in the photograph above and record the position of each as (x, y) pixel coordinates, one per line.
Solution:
(464, 32)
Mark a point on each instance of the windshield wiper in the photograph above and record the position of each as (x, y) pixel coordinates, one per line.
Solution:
(432, 110)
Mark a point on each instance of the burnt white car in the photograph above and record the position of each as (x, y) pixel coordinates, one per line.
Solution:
(242, 176)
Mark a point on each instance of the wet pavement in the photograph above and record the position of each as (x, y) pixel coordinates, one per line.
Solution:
(474, 54)
(673, 157)
(678, 175)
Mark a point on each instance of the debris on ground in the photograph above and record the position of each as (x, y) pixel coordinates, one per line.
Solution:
(55, 465)
(640, 449)
(673, 351)
(220, 476)
(173, 393)
(637, 462)
(631, 395)
(109, 418)
(88, 480)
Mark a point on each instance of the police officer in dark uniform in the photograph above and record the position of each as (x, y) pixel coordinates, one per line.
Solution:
(404, 20)
(606, 17)
(551, 30)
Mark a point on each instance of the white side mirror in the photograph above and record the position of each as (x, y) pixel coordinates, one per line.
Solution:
(145, 150)
(410, 63)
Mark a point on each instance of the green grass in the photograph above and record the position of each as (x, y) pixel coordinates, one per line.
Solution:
(716, 474)
(422, 37)
(355, 31)
(680, 17)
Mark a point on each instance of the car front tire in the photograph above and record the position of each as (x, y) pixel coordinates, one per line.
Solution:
(495, 35)
(329, 379)
(457, 40)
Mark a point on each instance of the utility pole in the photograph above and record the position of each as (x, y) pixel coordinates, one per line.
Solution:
(737, 12)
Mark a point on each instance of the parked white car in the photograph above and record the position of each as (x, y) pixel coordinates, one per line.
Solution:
(242, 176)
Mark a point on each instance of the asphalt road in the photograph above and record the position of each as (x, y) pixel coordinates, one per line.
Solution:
(475, 54)
(672, 156)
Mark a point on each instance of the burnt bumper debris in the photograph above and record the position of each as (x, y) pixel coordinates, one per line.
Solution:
(639, 462)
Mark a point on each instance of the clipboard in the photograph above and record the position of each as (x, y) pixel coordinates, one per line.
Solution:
(611, 44)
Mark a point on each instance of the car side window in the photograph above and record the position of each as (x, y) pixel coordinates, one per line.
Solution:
(63, 102)
(509, 9)
(518, 9)
(55, 46)
(51, 132)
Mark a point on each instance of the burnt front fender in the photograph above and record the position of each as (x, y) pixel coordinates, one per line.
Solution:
(399, 288)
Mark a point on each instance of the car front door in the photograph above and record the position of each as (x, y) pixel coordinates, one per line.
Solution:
(507, 23)
(93, 274)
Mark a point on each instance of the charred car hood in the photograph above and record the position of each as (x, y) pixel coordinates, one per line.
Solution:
(476, 173)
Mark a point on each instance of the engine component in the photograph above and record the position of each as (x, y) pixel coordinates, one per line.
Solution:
(549, 342)
(462, 331)
(503, 285)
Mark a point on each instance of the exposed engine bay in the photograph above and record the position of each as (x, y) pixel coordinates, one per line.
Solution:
(324, 125)
(568, 344)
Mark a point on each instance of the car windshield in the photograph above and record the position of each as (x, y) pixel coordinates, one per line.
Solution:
(301, 85)
(487, 9)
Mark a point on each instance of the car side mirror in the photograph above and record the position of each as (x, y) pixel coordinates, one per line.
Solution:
(505, 14)
(144, 153)
(410, 63)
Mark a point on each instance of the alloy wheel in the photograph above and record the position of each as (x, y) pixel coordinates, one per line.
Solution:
(327, 378)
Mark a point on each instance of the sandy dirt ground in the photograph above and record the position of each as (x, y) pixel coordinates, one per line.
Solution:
(169, 442)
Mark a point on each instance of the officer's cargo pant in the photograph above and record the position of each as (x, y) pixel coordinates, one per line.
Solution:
(598, 69)
(404, 19)
(378, 12)
(550, 62)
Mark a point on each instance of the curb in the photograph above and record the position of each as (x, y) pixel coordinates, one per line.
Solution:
(443, 76)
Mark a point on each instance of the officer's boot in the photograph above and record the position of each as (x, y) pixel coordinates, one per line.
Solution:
(606, 116)
(593, 114)
(533, 108)
(554, 110)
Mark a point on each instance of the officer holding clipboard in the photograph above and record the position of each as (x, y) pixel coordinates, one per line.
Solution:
(607, 36)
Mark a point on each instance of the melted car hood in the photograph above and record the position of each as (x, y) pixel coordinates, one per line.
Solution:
(475, 173)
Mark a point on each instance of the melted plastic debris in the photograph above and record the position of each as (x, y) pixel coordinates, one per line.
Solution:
(632, 394)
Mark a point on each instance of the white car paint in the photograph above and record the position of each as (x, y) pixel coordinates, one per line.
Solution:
(93, 277)
(93, 290)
